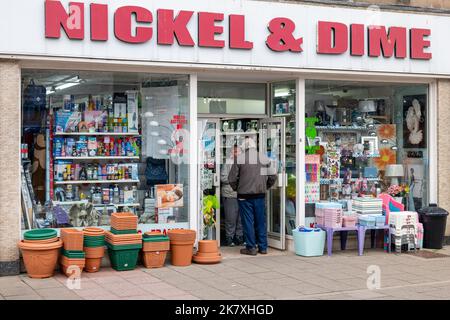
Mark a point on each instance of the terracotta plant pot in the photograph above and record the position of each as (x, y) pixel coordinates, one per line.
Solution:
(182, 252)
(93, 264)
(207, 260)
(42, 241)
(123, 237)
(92, 231)
(208, 252)
(208, 246)
(154, 259)
(72, 239)
(94, 252)
(40, 259)
(66, 263)
(182, 235)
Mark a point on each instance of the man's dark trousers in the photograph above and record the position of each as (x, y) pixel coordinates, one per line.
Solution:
(254, 223)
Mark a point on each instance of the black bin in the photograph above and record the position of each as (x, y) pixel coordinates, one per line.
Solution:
(434, 220)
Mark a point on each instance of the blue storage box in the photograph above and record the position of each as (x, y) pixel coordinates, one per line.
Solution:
(380, 220)
(310, 243)
(370, 172)
(366, 220)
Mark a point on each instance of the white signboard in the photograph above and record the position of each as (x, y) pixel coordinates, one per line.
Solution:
(245, 24)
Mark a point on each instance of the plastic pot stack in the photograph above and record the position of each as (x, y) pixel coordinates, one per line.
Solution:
(154, 249)
(94, 248)
(40, 250)
(72, 255)
(208, 252)
(123, 242)
(182, 246)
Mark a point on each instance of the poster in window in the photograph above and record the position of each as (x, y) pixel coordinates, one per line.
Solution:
(169, 195)
(414, 123)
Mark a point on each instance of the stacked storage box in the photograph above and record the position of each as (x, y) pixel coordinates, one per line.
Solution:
(72, 254)
(123, 242)
(368, 205)
(329, 214)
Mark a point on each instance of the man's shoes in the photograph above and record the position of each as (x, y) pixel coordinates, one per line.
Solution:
(262, 251)
(229, 242)
(249, 252)
(238, 241)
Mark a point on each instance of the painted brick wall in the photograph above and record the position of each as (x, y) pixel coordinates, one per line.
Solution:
(10, 207)
(444, 147)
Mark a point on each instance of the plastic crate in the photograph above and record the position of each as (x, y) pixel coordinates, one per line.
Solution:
(309, 244)
(366, 220)
(329, 214)
(349, 220)
(124, 257)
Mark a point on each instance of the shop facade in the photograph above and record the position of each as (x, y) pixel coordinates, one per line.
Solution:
(110, 107)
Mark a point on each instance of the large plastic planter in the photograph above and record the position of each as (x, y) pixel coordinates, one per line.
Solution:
(124, 258)
(309, 244)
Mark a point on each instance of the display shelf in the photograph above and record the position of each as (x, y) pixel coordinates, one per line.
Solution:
(118, 205)
(96, 181)
(120, 134)
(100, 158)
(68, 203)
(377, 155)
(342, 128)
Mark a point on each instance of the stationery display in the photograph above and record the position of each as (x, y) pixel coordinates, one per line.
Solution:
(312, 184)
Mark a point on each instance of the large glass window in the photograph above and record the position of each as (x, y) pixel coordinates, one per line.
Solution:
(366, 139)
(94, 143)
(231, 98)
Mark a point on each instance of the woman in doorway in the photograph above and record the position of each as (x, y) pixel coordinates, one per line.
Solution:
(233, 226)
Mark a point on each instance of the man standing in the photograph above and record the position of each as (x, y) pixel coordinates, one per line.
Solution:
(233, 225)
(251, 176)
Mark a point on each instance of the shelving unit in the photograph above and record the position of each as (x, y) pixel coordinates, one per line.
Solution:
(97, 134)
(99, 158)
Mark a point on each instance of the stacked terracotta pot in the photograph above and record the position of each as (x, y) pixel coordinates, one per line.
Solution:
(94, 248)
(73, 258)
(40, 250)
(154, 249)
(208, 252)
(123, 242)
(182, 246)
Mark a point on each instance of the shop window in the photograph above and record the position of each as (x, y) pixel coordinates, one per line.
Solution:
(94, 143)
(365, 139)
(231, 98)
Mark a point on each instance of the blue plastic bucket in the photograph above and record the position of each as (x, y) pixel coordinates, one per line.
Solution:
(309, 244)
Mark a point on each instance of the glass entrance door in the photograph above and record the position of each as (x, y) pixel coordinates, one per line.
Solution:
(273, 144)
(209, 178)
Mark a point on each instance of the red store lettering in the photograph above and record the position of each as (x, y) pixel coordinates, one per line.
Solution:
(336, 38)
(169, 27)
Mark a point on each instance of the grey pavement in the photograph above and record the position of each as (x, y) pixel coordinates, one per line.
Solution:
(278, 275)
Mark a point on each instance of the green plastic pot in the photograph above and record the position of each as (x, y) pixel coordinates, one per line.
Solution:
(125, 257)
(74, 254)
(40, 234)
(130, 231)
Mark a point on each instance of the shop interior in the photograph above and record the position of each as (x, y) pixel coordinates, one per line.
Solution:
(95, 143)
(365, 139)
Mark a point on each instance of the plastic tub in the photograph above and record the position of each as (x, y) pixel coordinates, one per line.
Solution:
(309, 244)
